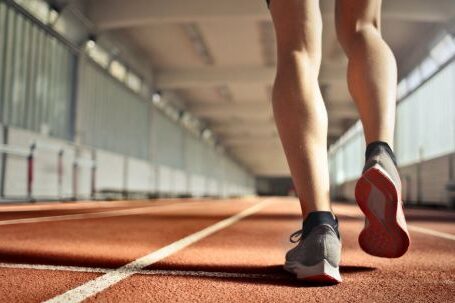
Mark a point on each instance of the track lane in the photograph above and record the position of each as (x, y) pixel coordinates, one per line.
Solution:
(9, 212)
(245, 258)
(256, 246)
(102, 242)
(92, 288)
(25, 285)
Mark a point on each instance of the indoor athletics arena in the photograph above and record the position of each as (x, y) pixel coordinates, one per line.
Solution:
(140, 161)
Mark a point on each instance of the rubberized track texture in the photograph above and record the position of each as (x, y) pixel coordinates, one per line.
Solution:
(206, 251)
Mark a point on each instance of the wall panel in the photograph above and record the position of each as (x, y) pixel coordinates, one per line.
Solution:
(110, 171)
(35, 77)
(138, 175)
(84, 174)
(110, 116)
(169, 141)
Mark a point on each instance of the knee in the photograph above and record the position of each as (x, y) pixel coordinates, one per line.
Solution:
(299, 55)
(353, 26)
(300, 48)
(299, 61)
(352, 35)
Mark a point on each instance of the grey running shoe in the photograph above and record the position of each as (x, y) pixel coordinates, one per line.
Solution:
(316, 257)
(378, 193)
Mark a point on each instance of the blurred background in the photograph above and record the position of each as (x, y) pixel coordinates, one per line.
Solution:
(110, 99)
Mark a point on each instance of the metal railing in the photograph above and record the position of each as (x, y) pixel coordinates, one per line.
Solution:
(29, 154)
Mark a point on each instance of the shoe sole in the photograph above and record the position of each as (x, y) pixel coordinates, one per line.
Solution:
(385, 234)
(322, 272)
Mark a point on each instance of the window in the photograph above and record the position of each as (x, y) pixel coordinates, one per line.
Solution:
(444, 50)
(428, 67)
(38, 8)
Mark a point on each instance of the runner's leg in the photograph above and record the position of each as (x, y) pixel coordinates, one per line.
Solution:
(298, 107)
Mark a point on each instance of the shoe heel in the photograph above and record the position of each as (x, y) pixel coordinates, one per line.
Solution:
(322, 272)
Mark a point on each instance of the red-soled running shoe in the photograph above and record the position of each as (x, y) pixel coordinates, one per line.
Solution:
(378, 193)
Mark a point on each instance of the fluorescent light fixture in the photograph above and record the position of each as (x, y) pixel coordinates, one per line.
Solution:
(53, 16)
(206, 134)
(156, 97)
(91, 41)
(198, 43)
(134, 82)
(444, 50)
(91, 44)
(118, 70)
(428, 67)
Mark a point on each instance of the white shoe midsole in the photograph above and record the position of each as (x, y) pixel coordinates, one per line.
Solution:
(321, 268)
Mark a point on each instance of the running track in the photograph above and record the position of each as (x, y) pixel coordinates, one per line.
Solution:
(205, 251)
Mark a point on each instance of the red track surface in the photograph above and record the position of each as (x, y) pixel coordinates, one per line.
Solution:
(240, 263)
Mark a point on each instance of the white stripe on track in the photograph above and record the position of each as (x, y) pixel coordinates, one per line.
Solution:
(414, 228)
(431, 232)
(86, 205)
(153, 272)
(55, 267)
(94, 215)
(110, 278)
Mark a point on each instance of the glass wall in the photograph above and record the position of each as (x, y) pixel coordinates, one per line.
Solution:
(425, 128)
(168, 141)
(346, 157)
(426, 120)
(36, 72)
(110, 116)
(84, 93)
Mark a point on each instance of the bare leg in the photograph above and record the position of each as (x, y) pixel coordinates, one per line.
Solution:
(372, 72)
(372, 76)
(298, 107)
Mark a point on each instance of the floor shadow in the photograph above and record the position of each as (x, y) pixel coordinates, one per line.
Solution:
(259, 275)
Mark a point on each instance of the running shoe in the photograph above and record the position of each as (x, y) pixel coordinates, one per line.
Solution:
(378, 193)
(316, 257)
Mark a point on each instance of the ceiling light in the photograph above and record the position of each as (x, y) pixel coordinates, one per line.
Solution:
(91, 41)
(156, 97)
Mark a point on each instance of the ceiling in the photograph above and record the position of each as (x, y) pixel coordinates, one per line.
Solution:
(219, 58)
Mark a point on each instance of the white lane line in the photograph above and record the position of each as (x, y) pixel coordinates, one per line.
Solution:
(55, 267)
(412, 227)
(152, 272)
(99, 284)
(101, 214)
(67, 206)
(87, 205)
(431, 232)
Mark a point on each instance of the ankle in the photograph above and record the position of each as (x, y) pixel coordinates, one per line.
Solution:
(378, 146)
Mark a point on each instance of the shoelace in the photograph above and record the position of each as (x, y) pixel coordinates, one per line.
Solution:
(296, 236)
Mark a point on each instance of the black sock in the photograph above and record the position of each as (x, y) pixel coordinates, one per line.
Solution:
(378, 146)
(317, 218)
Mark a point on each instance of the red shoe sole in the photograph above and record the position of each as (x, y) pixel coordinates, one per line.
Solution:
(321, 279)
(386, 234)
